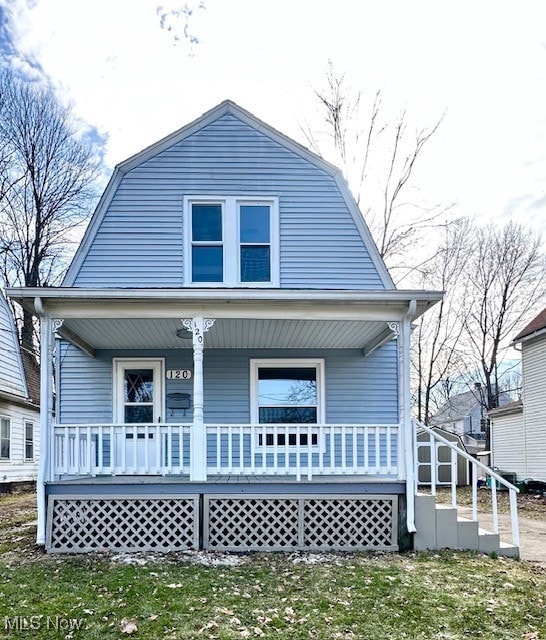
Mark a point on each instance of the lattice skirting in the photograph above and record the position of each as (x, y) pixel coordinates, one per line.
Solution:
(324, 523)
(118, 523)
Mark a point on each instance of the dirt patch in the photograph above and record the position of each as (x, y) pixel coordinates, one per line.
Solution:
(529, 505)
(18, 513)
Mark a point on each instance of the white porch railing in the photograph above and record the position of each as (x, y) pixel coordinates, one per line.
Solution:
(302, 449)
(239, 449)
(118, 449)
(434, 443)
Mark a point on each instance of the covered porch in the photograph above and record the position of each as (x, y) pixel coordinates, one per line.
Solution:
(169, 325)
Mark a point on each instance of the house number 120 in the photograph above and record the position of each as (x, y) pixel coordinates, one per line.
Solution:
(179, 374)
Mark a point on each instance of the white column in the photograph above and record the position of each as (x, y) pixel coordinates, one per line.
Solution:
(198, 436)
(406, 424)
(46, 411)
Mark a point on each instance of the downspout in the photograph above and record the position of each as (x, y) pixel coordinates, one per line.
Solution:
(407, 423)
(45, 416)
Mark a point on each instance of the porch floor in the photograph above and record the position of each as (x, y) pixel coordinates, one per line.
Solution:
(226, 479)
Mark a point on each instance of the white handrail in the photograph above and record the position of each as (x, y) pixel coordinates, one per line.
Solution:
(457, 451)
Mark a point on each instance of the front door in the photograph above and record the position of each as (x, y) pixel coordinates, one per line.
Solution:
(138, 401)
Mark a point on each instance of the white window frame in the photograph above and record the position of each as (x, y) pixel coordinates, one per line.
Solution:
(317, 363)
(118, 367)
(25, 440)
(9, 438)
(231, 239)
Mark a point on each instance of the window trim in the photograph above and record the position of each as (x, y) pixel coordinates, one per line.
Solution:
(25, 440)
(8, 419)
(317, 363)
(231, 239)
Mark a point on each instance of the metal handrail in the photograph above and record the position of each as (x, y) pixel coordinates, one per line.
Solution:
(457, 451)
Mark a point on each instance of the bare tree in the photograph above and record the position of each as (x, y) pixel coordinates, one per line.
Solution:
(504, 283)
(436, 355)
(378, 157)
(46, 179)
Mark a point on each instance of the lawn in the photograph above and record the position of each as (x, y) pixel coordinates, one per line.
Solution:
(415, 596)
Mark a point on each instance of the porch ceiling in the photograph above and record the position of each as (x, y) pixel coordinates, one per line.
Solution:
(258, 318)
(161, 333)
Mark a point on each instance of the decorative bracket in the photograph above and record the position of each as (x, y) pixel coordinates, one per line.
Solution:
(395, 328)
(56, 324)
(198, 326)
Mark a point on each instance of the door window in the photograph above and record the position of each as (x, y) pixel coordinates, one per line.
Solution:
(139, 393)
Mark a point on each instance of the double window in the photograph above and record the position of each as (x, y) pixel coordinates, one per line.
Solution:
(231, 241)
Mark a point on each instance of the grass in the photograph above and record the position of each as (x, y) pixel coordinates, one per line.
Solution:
(415, 596)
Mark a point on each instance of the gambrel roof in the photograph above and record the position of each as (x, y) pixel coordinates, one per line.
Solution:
(12, 373)
(214, 115)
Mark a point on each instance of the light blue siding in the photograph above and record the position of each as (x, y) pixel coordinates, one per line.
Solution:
(358, 390)
(140, 240)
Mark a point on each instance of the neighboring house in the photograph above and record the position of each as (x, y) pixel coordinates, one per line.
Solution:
(464, 415)
(232, 358)
(19, 406)
(518, 431)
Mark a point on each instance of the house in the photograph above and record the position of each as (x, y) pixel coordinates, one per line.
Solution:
(465, 415)
(19, 406)
(232, 358)
(518, 430)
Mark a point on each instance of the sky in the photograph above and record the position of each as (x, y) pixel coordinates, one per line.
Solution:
(136, 70)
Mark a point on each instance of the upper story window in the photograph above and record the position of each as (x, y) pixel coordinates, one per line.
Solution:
(231, 241)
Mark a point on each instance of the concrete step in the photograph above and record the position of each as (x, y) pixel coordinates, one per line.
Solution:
(508, 550)
(439, 527)
(488, 542)
(425, 518)
(467, 534)
(446, 527)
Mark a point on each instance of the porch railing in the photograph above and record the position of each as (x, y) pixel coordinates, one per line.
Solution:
(117, 449)
(303, 450)
(434, 466)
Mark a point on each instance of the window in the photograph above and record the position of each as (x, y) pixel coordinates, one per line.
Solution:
(231, 241)
(5, 438)
(29, 440)
(255, 242)
(287, 391)
(207, 250)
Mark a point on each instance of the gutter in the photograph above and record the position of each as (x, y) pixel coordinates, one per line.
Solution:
(408, 427)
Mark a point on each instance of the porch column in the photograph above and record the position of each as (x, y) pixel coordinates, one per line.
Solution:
(198, 436)
(406, 424)
(46, 414)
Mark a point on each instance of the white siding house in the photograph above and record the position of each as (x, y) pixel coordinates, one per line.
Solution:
(233, 358)
(519, 436)
(19, 407)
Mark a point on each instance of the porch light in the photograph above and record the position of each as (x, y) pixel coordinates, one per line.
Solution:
(184, 335)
